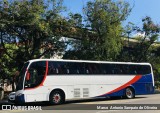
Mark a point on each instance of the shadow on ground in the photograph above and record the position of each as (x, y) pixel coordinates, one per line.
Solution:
(78, 101)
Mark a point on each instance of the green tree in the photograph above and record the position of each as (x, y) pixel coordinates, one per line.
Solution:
(145, 47)
(29, 29)
(142, 50)
(101, 35)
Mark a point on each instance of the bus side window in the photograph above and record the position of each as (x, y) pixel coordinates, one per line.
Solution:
(147, 69)
(95, 68)
(102, 69)
(52, 68)
(67, 71)
(117, 69)
(125, 69)
(73, 68)
(57, 70)
(109, 68)
(77, 71)
(133, 69)
(64, 68)
(105, 69)
(87, 71)
(139, 69)
(88, 68)
(81, 68)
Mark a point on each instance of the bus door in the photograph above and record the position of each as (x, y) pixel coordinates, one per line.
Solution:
(35, 77)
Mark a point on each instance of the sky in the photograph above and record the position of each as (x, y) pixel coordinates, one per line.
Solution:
(141, 9)
(144, 8)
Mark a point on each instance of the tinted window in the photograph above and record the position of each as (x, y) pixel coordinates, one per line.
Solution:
(143, 69)
(20, 78)
(107, 68)
(117, 69)
(96, 68)
(124, 69)
(75, 67)
(147, 69)
(37, 71)
(52, 68)
(88, 68)
(58, 67)
(65, 68)
(133, 69)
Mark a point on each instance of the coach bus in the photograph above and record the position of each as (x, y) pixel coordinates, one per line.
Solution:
(58, 80)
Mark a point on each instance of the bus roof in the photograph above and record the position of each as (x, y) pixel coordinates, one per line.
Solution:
(88, 61)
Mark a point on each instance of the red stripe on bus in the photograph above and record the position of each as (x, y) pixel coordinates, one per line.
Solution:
(135, 79)
(45, 74)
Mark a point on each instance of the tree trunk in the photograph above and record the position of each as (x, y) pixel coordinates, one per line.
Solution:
(1, 94)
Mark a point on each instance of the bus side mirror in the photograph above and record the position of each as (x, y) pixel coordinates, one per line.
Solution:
(28, 76)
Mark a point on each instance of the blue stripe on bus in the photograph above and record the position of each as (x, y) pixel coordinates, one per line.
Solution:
(143, 86)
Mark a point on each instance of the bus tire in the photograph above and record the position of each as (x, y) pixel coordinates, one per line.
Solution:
(56, 97)
(129, 93)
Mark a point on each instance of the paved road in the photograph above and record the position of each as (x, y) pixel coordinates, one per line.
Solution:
(92, 104)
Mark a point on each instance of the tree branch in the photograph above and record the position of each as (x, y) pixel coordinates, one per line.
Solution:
(3, 45)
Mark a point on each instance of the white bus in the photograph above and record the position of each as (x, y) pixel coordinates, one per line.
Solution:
(59, 80)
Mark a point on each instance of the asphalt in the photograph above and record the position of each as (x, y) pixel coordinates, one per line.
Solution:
(3, 101)
(79, 106)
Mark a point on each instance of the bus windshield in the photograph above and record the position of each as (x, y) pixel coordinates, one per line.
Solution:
(36, 73)
(21, 77)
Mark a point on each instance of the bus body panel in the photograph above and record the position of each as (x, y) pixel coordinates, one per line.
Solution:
(144, 85)
(96, 85)
(36, 94)
(77, 86)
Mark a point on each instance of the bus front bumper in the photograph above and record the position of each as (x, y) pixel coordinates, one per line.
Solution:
(11, 97)
(18, 99)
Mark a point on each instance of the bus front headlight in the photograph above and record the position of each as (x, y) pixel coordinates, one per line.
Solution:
(20, 94)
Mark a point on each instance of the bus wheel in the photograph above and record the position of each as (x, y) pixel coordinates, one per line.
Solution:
(129, 93)
(56, 97)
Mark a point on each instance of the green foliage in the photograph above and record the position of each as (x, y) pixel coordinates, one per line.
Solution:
(143, 49)
(102, 39)
(27, 29)
(8, 66)
(32, 29)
